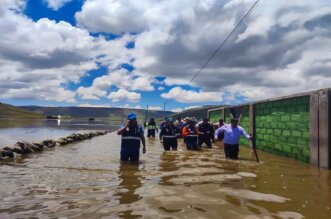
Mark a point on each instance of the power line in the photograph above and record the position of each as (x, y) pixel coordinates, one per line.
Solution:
(220, 46)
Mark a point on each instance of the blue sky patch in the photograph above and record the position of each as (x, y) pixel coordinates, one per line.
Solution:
(37, 9)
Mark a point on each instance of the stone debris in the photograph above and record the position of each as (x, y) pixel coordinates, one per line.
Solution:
(23, 147)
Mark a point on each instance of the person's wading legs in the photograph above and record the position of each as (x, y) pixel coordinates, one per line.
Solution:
(231, 151)
(191, 146)
(151, 133)
(208, 143)
(200, 141)
(234, 151)
(205, 140)
(166, 147)
(130, 155)
(174, 146)
(227, 150)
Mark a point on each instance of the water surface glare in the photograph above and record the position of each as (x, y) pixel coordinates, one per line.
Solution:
(86, 180)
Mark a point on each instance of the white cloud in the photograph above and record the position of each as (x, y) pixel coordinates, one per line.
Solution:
(38, 59)
(62, 95)
(274, 40)
(14, 5)
(128, 106)
(176, 110)
(154, 108)
(94, 105)
(191, 107)
(124, 79)
(120, 78)
(277, 50)
(122, 94)
(98, 89)
(161, 88)
(90, 93)
(188, 96)
(112, 16)
(56, 4)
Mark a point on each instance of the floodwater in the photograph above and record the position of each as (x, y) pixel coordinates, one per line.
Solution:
(86, 180)
(13, 130)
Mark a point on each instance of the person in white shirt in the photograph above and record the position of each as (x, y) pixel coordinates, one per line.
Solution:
(232, 134)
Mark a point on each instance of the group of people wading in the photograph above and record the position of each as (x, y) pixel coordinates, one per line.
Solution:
(194, 133)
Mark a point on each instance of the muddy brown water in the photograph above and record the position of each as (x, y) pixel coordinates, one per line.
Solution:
(86, 180)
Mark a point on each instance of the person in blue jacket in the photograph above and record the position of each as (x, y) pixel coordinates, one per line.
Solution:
(131, 134)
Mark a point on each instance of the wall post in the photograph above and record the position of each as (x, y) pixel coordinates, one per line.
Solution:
(252, 121)
(324, 128)
(313, 128)
(223, 114)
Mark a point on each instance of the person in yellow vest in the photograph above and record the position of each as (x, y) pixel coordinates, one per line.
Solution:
(151, 128)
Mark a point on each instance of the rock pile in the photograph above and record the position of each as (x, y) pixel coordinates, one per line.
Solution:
(23, 147)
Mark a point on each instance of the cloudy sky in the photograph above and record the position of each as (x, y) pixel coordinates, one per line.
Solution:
(133, 53)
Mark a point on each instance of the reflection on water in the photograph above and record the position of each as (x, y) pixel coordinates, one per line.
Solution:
(13, 130)
(75, 124)
(86, 180)
(129, 175)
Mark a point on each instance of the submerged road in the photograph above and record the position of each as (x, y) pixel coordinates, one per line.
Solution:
(86, 180)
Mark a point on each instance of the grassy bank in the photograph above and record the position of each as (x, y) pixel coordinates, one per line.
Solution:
(9, 111)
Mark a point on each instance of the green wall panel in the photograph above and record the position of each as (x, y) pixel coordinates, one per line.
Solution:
(282, 127)
(215, 115)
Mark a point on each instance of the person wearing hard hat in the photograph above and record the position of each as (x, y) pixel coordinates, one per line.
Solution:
(168, 135)
(151, 128)
(232, 133)
(131, 134)
(190, 135)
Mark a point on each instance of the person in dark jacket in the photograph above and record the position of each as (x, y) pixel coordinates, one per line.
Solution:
(151, 128)
(190, 135)
(131, 134)
(168, 135)
(206, 133)
(163, 123)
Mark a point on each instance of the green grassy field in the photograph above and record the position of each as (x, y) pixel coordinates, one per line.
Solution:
(9, 111)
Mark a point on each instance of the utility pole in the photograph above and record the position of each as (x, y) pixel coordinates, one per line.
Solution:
(164, 104)
(146, 116)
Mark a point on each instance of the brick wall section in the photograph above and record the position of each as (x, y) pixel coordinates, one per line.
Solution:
(244, 122)
(282, 127)
(215, 115)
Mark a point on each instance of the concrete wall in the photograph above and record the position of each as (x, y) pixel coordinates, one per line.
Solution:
(296, 126)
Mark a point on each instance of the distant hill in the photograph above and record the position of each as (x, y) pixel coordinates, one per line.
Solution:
(198, 112)
(10, 111)
(94, 112)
